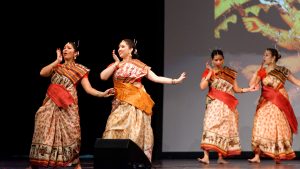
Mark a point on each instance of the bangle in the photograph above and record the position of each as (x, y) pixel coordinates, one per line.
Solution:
(173, 82)
(115, 66)
(99, 94)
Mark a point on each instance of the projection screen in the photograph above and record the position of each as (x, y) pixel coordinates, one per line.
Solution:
(243, 29)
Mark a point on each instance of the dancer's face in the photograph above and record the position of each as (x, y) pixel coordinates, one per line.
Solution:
(218, 61)
(268, 58)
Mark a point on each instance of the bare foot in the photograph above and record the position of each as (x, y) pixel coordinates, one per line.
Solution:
(202, 160)
(222, 161)
(254, 160)
(277, 161)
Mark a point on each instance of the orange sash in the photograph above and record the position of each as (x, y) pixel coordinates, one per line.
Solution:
(59, 95)
(133, 95)
(283, 104)
(228, 99)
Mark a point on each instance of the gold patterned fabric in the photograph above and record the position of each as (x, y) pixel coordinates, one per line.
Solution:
(56, 139)
(227, 74)
(129, 120)
(72, 71)
(220, 127)
(131, 71)
(281, 73)
(271, 133)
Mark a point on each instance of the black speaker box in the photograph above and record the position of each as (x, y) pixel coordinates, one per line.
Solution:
(119, 154)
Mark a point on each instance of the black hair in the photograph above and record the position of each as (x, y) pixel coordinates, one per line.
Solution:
(274, 53)
(132, 44)
(216, 52)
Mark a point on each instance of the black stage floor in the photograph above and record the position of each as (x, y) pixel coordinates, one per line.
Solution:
(176, 164)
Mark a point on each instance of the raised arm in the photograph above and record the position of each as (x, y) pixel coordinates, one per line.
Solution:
(47, 70)
(205, 80)
(238, 89)
(165, 80)
(90, 90)
(106, 73)
(255, 79)
(294, 80)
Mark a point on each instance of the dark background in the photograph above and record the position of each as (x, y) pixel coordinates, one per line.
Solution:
(31, 32)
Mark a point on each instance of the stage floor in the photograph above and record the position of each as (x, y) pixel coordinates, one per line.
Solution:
(177, 164)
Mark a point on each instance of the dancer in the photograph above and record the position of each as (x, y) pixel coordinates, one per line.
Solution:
(130, 117)
(220, 127)
(57, 136)
(274, 120)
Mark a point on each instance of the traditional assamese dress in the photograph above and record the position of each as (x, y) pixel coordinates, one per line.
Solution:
(57, 139)
(274, 120)
(220, 127)
(131, 112)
